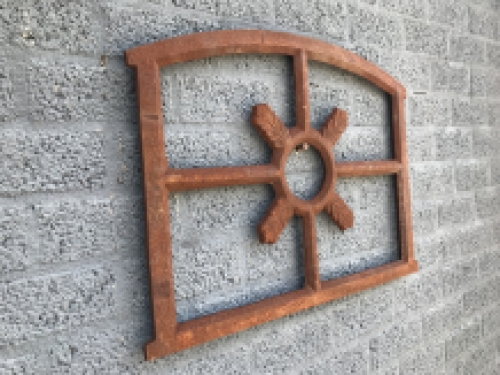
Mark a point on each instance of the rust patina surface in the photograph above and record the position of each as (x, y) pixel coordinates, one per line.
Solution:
(160, 180)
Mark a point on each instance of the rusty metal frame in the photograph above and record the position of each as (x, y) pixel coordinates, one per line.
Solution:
(159, 180)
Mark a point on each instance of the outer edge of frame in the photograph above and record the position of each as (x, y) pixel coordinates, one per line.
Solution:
(214, 43)
(227, 322)
(154, 167)
(171, 336)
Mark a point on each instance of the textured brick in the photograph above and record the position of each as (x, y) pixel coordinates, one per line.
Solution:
(485, 82)
(392, 341)
(313, 335)
(412, 71)
(345, 316)
(71, 89)
(353, 361)
(128, 165)
(210, 6)
(441, 319)
(228, 358)
(455, 211)
(123, 34)
(370, 108)
(421, 144)
(482, 22)
(478, 360)
(456, 242)
(305, 185)
(304, 173)
(56, 105)
(495, 171)
(427, 360)
(377, 192)
(475, 237)
(221, 100)
(466, 49)
(421, 37)
(454, 143)
(325, 96)
(224, 208)
(469, 113)
(13, 86)
(494, 114)
(37, 306)
(374, 28)
(279, 353)
(366, 143)
(390, 369)
(429, 250)
(368, 52)
(325, 18)
(109, 349)
(343, 253)
(471, 175)
(447, 77)
(450, 12)
(481, 296)
(53, 24)
(202, 268)
(479, 80)
(21, 365)
(51, 161)
(489, 263)
(258, 11)
(321, 17)
(14, 224)
(103, 349)
(493, 54)
(254, 272)
(216, 147)
(428, 111)
(491, 320)
(419, 291)
(376, 308)
(461, 341)
(457, 276)
(412, 8)
(73, 229)
(430, 178)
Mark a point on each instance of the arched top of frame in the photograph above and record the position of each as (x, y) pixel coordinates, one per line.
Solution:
(216, 43)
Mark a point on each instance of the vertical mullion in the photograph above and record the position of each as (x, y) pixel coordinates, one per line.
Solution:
(302, 111)
(311, 261)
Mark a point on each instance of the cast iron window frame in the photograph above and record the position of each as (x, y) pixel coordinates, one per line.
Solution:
(171, 336)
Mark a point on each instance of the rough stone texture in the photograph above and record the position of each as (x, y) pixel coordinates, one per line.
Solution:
(74, 292)
(450, 78)
(424, 38)
(412, 8)
(410, 69)
(450, 12)
(372, 28)
(37, 161)
(466, 49)
(35, 306)
(75, 26)
(75, 89)
(429, 111)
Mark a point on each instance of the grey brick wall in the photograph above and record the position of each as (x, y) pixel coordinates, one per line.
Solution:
(73, 271)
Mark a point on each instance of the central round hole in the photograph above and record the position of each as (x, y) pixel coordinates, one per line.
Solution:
(304, 172)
